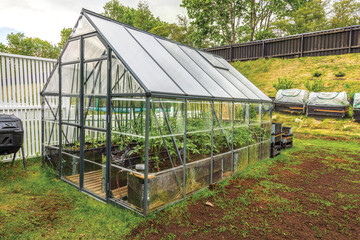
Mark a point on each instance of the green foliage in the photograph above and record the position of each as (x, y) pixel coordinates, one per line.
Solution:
(2, 48)
(141, 17)
(339, 74)
(317, 73)
(65, 34)
(345, 13)
(19, 44)
(309, 17)
(316, 85)
(283, 83)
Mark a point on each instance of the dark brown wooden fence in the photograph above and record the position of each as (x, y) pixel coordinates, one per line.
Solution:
(328, 42)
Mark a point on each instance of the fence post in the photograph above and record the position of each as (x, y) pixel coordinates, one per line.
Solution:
(350, 39)
(231, 53)
(263, 50)
(302, 45)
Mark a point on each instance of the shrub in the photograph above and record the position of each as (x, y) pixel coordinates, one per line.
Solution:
(317, 73)
(316, 85)
(339, 74)
(283, 83)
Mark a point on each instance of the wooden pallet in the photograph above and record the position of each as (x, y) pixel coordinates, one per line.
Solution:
(93, 183)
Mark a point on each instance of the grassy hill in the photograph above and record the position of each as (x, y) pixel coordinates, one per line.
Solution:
(265, 72)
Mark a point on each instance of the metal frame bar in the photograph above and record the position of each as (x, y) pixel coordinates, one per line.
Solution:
(108, 125)
(82, 130)
(60, 119)
(147, 122)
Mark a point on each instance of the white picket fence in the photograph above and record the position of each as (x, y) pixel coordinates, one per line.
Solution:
(21, 81)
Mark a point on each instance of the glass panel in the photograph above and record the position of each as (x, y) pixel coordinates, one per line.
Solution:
(95, 112)
(70, 77)
(201, 76)
(166, 188)
(71, 52)
(51, 108)
(82, 28)
(265, 149)
(51, 158)
(238, 84)
(167, 117)
(222, 140)
(254, 153)
(51, 144)
(94, 48)
(70, 164)
(199, 117)
(241, 114)
(135, 57)
(241, 159)
(244, 80)
(95, 162)
(212, 59)
(126, 176)
(128, 116)
(95, 81)
(197, 175)
(165, 160)
(122, 81)
(266, 121)
(213, 73)
(70, 110)
(52, 85)
(169, 64)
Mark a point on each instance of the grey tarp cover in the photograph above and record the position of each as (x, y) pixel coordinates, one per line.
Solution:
(166, 67)
(357, 100)
(292, 96)
(328, 99)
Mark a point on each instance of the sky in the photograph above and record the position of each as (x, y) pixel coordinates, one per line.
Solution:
(46, 18)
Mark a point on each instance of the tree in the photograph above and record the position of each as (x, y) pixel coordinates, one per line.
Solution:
(3, 48)
(260, 16)
(19, 44)
(311, 17)
(180, 32)
(141, 17)
(215, 21)
(345, 13)
(64, 34)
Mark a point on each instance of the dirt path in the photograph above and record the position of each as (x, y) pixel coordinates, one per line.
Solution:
(312, 193)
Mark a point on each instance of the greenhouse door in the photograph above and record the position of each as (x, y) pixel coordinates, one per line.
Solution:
(84, 113)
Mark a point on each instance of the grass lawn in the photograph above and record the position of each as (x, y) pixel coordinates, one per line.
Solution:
(264, 72)
(309, 191)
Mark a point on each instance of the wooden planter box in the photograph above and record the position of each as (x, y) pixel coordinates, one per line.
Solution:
(327, 111)
(292, 108)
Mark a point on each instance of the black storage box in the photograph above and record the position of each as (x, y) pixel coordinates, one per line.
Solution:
(356, 114)
(11, 134)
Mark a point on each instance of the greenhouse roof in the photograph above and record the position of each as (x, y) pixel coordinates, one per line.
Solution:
(167, 68)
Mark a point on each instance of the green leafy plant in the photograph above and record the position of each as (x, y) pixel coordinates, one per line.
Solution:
(339, 74)
(316, 85)
(283, 83)
(317, 73)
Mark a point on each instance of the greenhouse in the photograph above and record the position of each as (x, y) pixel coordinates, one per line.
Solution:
(140, 121)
